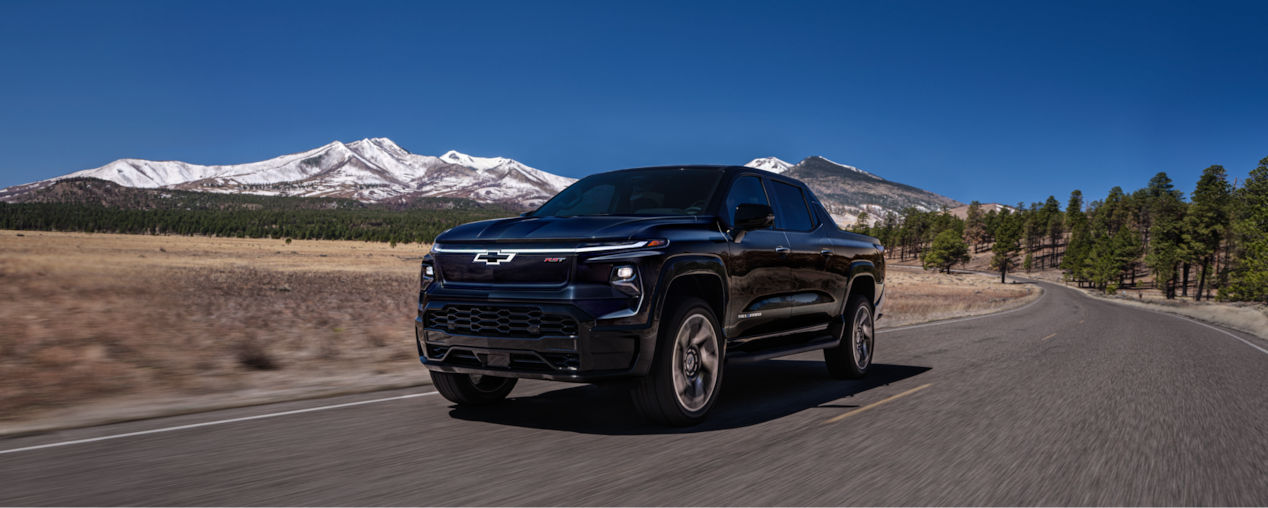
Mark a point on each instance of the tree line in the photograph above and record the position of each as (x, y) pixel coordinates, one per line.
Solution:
(409, 226)
(1215, 240)
(92, 205)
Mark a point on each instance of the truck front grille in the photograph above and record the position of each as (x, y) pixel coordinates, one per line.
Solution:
(499, 321)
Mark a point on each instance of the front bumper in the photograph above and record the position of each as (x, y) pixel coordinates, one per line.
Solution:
(557, 342)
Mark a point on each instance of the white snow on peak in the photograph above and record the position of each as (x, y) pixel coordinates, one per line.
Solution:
(369, 169)
(772, 164)
(480, 164)
(852, 168)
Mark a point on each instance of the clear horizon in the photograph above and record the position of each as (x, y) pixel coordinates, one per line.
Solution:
(954, 99)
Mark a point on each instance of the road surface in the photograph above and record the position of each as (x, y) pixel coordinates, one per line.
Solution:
(1069, 401)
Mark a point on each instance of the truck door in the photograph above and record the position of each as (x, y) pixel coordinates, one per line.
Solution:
(811, 286)
(758, 269)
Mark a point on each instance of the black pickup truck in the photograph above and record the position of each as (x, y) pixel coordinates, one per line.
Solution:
(655, 277)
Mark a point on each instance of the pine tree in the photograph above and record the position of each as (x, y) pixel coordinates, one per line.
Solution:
(947, 251)
(862, 224)
(1007, 244)
(1128, 249)
(1056, 228)
(975, 224)
(1250, 279)
(1206, 221)
(1076, 252)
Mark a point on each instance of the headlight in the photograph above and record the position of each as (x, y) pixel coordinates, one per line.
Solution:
(426, 277)
(625, 279)
(630, 244)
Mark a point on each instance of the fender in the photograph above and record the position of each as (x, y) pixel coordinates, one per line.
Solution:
(687, 265)
(861, 269)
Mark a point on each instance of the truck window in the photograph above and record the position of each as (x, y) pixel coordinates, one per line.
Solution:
(746, 189)
(792, 208)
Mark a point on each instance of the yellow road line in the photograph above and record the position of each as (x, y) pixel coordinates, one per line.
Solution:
(1049, 337)
(874, 404)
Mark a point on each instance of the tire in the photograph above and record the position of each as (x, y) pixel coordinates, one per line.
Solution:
(686, 373)
(471, 389)
(853, 357)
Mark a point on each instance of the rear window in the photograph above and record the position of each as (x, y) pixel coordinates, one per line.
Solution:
(792, 207)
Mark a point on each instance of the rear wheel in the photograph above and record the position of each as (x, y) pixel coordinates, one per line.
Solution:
(852, 358)
(472, 389)
(687, 371)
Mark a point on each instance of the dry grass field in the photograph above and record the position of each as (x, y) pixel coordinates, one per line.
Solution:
(191, 322)
(916, 296)
(97, 327)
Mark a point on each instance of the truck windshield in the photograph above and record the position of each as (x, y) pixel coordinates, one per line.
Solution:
(683, 191)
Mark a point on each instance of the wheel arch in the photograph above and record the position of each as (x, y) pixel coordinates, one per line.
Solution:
(862, 282)
(703, 277)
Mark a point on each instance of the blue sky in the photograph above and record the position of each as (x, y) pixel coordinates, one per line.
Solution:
(1008, 101)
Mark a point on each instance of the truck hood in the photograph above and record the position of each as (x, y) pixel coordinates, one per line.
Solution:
(537, 229)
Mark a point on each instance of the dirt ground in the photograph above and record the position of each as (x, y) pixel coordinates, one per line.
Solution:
(97, 327)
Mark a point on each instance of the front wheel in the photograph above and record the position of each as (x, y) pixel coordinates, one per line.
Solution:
(687, 371)
(852, 358)
(472, 389)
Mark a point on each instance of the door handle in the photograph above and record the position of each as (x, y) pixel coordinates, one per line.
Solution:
(783, 250)
(826, 252)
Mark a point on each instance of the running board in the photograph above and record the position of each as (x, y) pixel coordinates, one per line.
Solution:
(824, 342)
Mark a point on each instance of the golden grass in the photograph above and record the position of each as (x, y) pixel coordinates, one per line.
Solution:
(87, 316)
(913, 296)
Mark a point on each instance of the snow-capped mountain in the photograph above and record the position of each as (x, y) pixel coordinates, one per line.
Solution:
(368, 170)
(378, 170)
(847, 191)
(772, 164)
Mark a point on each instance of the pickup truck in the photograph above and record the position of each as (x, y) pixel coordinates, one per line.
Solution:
(653, 277)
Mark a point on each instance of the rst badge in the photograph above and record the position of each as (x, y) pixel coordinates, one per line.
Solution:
(555, 260)
(493, 258)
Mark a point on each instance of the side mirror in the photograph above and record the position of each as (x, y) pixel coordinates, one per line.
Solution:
(750, 216)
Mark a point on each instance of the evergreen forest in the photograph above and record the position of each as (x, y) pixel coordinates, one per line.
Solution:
(1210, 245)
(91, 205)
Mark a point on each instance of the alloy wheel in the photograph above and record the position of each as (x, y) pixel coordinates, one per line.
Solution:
(696, 362)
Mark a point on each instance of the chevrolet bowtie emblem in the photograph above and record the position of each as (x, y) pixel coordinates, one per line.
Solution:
(493, 258)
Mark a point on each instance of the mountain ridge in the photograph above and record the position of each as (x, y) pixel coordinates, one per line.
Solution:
(371, 169)
(847, 191)
(377, 170)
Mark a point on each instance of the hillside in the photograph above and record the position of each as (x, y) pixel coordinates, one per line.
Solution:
(846, 191)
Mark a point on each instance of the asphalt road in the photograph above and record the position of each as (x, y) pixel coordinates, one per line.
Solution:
(1070, 401)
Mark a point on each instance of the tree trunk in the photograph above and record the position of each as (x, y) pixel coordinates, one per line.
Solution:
(1003, 268)
(1184, 289)
(1206, 267)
